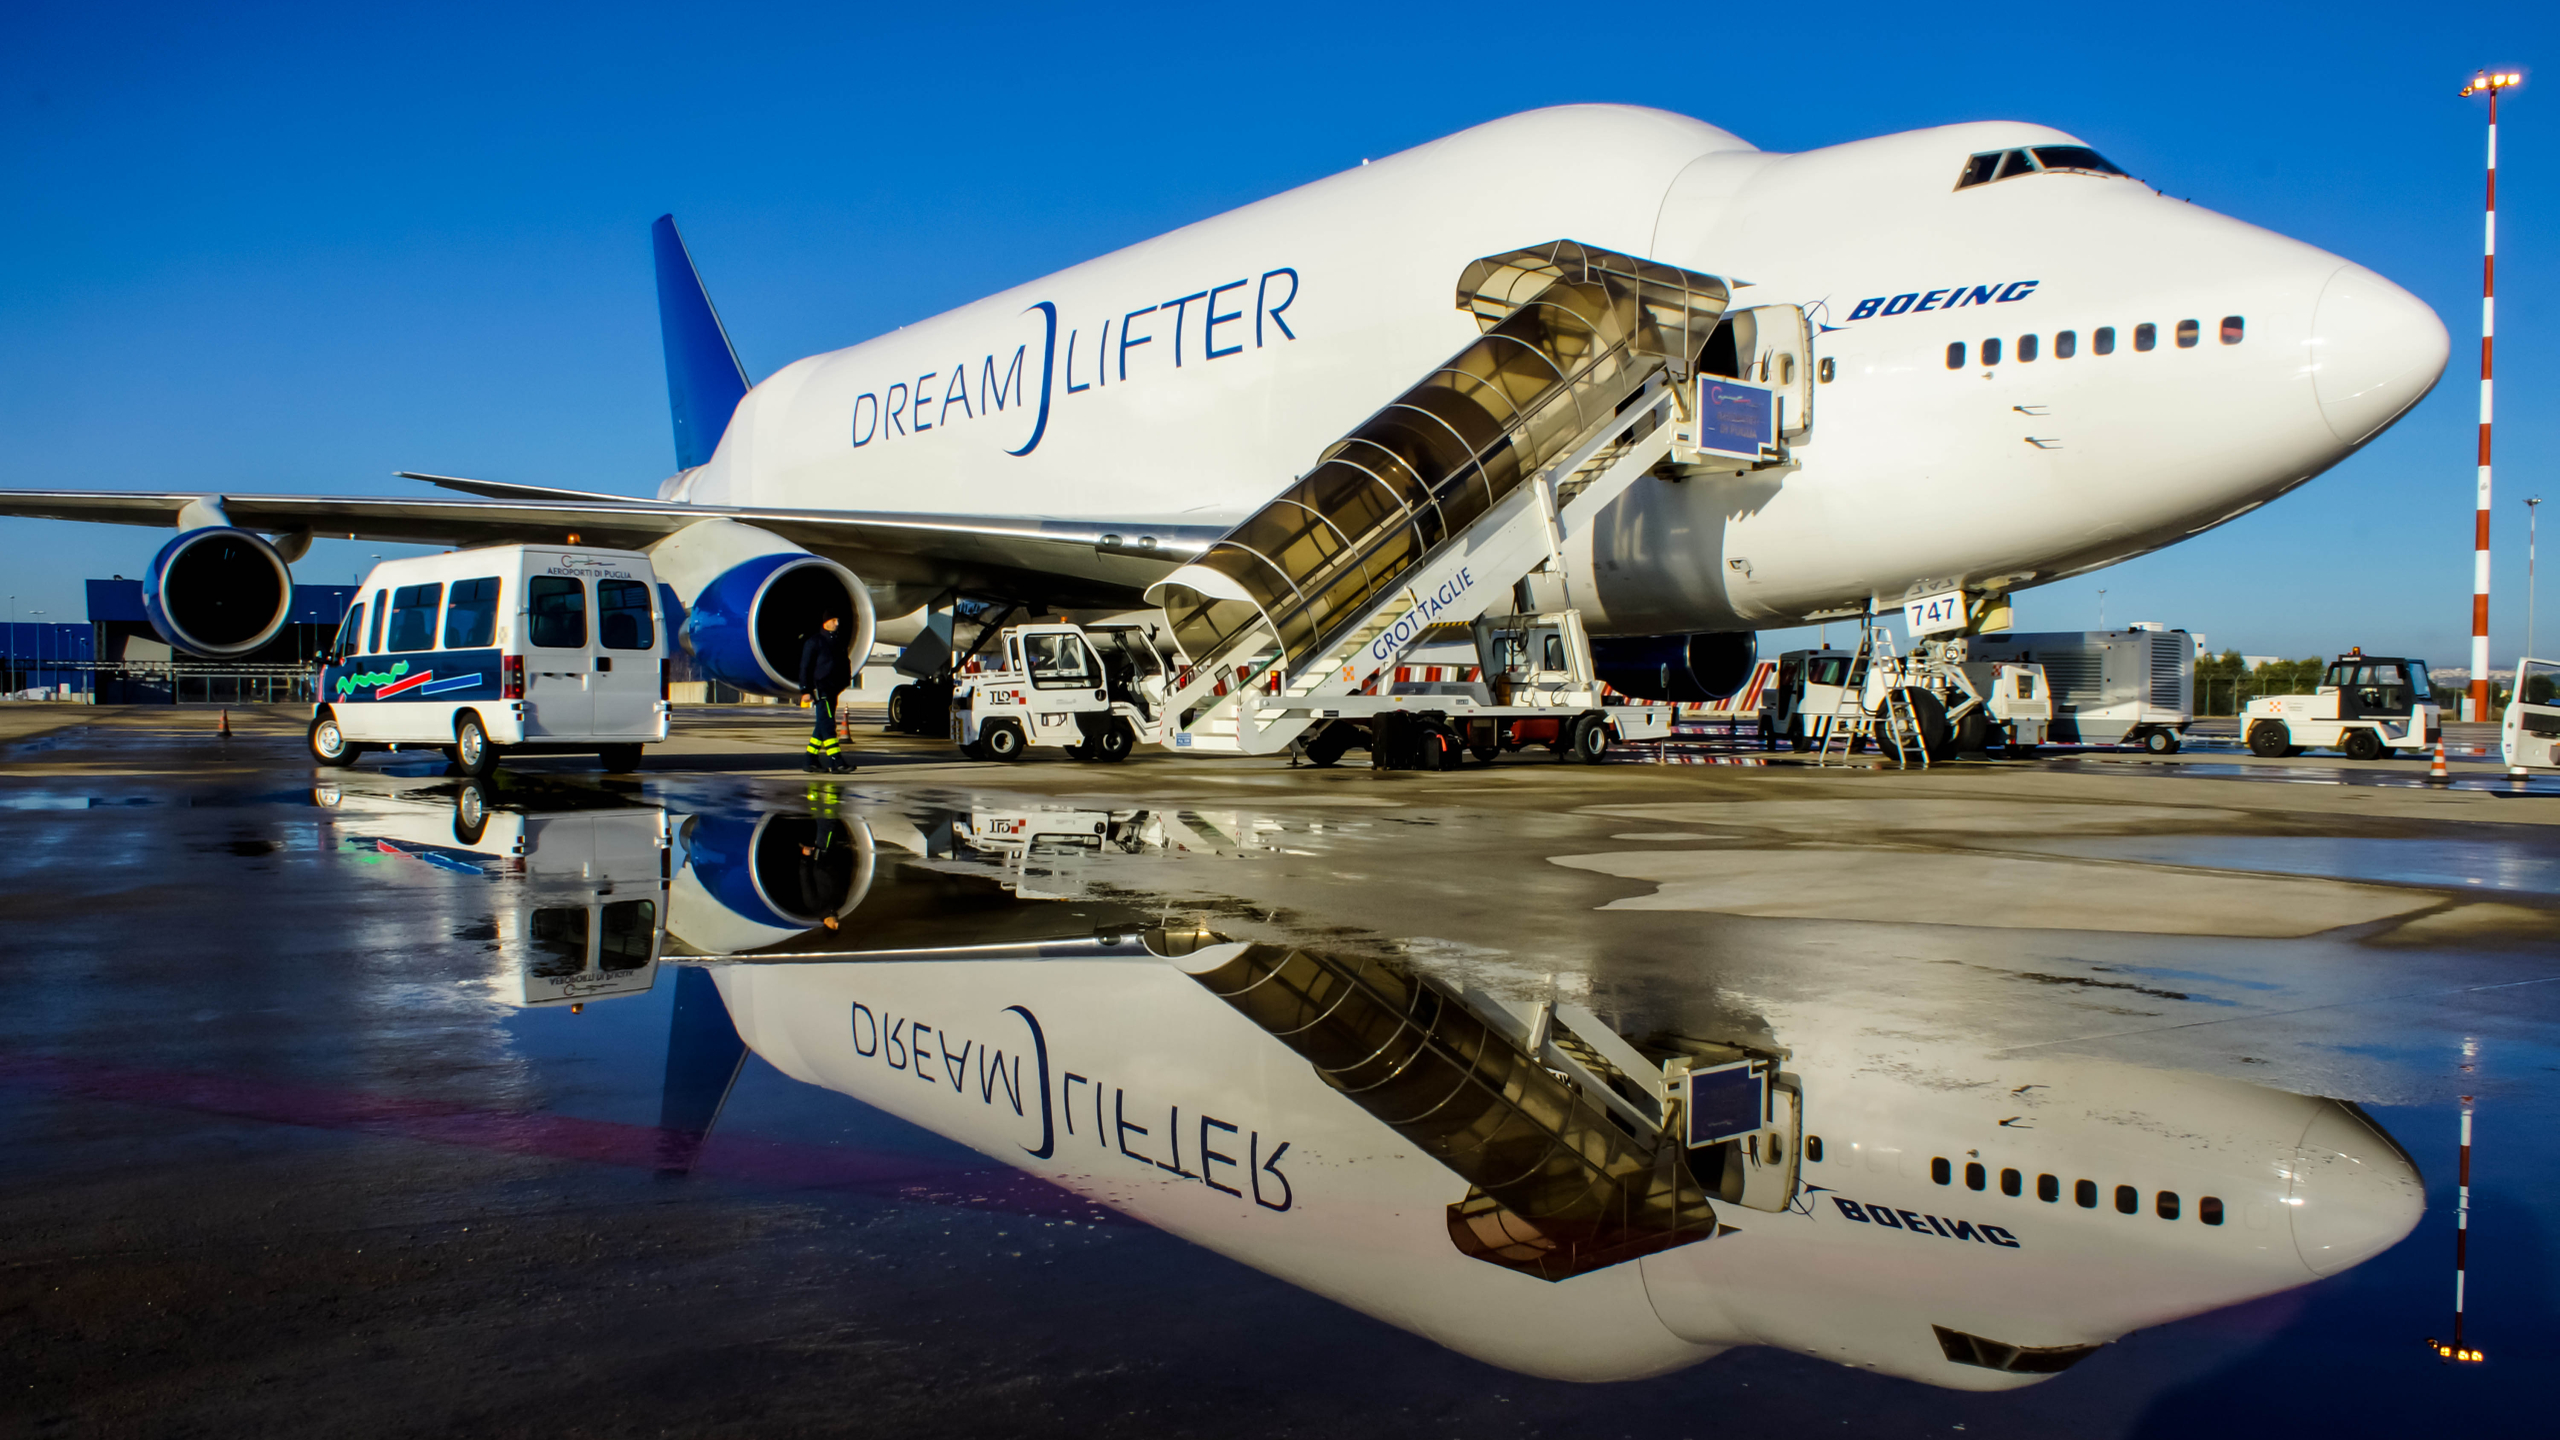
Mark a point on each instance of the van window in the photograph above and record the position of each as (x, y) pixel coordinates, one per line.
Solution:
(471, 614)
(557, 606)
(630, 928)
(381, 607)
(623, 621)
(351, 633)
(559, 942)
(1058, 663)
(413, 616)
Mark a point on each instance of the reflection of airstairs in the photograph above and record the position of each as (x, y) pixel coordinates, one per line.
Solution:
(1434, 509)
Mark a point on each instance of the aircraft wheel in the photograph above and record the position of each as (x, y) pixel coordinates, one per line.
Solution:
(473, 755)
(329, 744)
(2363, 745)
(2269, 740)
(1916, 727)
(1003, 740)
(1973, 734)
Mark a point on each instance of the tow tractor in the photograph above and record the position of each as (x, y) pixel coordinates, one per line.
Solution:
(2367, 705)
(1934, 702)
(1097, 691)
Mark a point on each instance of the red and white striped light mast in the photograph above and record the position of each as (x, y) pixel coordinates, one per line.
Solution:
(2490, 85)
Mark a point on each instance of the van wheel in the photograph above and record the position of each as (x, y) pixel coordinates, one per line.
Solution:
(328, 743)
(473, 755)
(2269, 740)
(619, 759)
(2363, 745)
(1003, 740)
(470, 812)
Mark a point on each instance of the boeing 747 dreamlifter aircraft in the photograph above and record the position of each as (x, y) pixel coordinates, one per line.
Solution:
(1973, 359)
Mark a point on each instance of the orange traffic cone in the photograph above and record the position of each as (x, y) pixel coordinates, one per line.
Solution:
(224, 729)
(2436, 773)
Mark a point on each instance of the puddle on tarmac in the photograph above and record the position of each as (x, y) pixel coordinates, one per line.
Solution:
(2452, 864)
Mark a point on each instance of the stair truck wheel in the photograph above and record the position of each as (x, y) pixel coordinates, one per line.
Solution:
(329, 743)
(1003, 740)
(2363, 744)
(1329, 745)
(473, 755)
(1114, 743)
(2268, 740)
(1589, 739)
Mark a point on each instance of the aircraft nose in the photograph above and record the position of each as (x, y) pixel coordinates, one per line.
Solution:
(2375, 350)
(2355, 1192)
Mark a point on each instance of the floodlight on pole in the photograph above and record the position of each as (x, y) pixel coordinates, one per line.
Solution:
(2487, 84)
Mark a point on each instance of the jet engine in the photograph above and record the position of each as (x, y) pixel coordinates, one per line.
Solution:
(1681, 669)
(218, 592)
(749, 884)
(748, 598)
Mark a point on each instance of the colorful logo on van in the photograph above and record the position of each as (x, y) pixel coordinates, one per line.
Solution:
(398, 681)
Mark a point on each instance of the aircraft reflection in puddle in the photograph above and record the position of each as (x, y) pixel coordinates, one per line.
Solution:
(1529, 1183)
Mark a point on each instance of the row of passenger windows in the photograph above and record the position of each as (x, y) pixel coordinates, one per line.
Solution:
(404, 619)
(2084, 1193)
(2102, 341)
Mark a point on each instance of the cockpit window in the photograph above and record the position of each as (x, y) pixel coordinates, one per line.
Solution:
(2003, 164)
(2075, 157)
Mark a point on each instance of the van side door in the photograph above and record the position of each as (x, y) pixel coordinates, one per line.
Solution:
(558, 658)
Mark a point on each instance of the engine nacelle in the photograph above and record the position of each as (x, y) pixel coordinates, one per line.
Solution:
(749, 598)
(749, 884)
(1680, 669)
(218, 592)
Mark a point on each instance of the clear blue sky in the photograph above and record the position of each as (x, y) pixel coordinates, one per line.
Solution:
(295, 249)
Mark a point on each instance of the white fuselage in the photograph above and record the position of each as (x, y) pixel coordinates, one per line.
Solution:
(1124, 1081)
(1187, 379)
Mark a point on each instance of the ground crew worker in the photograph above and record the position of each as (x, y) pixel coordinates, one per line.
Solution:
(823, 674)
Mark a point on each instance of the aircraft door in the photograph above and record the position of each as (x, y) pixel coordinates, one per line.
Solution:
(1780, 338)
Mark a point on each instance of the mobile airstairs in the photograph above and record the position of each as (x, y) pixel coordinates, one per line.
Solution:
(1452, 506)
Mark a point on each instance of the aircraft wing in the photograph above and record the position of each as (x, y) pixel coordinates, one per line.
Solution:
(1053, 561)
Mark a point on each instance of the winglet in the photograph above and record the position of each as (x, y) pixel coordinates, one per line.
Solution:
(705, 382)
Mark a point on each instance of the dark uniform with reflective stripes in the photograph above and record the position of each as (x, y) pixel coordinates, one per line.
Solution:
(823, 673)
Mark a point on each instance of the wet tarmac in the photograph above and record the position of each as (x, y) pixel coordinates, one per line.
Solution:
(1196, 1096)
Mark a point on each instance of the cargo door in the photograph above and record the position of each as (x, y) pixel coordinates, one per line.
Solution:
(625, 678)
(559, 658)
(1782, 359)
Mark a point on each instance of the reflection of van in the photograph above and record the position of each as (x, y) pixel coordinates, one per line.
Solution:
(576, 901)
(511, 647)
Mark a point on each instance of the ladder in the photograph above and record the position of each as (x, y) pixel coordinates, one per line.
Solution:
(1433, 509)
(1899, 729)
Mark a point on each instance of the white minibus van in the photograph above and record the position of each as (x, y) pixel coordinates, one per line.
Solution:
(537, 648)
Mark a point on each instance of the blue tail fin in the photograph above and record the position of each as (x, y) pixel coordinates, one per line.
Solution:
(705, 382)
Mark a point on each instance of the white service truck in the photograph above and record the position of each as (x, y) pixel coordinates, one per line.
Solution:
(2135, 686)
(1097, 691)
(2366, 705)
(2529, 732)
(536, 648)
